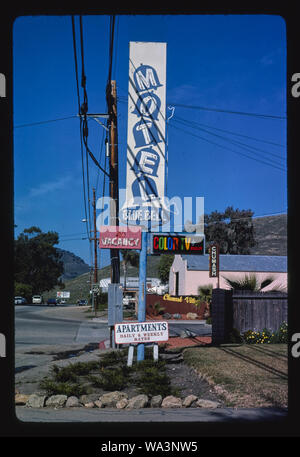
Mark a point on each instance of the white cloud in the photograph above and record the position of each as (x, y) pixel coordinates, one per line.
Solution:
(50, 186)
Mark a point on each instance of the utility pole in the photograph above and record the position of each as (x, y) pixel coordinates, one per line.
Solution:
(95, 240)
(111, 96)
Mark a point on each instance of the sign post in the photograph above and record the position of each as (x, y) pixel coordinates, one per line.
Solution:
(142, 291)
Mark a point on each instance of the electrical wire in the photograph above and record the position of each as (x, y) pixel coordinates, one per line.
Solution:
(234, 142)
(80, 125)
(241, 113)
(229, 149)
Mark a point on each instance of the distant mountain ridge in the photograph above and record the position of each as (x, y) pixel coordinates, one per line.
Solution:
(73, 265)
(270, 233)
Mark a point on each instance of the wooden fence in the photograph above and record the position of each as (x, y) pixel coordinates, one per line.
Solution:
(259, 310)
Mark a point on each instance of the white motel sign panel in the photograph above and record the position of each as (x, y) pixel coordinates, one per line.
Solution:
(146, 142)
(141, 332)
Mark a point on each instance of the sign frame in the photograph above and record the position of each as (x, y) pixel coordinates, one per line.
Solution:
(135, 330)
(168, 249)
(146, 134)
(121, 237)
(214, 260)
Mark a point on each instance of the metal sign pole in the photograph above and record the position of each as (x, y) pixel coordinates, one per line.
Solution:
(142, 292)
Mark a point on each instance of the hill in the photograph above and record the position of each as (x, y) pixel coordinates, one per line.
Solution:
(270, 232)
(73, 265)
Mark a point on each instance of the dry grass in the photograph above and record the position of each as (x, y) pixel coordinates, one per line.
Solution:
(246, 376)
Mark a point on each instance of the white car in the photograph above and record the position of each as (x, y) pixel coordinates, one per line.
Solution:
(38, 299)
(20, 301)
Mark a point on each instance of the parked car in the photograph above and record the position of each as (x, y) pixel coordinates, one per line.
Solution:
(82, 302)
(51, 301)
(38, 299)
(20, 301)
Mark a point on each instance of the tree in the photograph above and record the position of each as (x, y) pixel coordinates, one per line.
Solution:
(165, 263)
(249, 282)
(232, 230)
(37, 261)
(130, 257)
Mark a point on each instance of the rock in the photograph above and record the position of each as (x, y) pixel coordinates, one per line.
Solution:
(98, 404)
(110, 399)
(139, 401)
(172, 358)
(167, 316)
(192, 316)
(176, 316)
(156, 401)
(72, 402)
(187, 334)
(207, 403)
(21, 399)
(57, 401)
(36, 401)
(90, 404)
(187, 402)
(171, 402)
(88, 398)
(122, 403)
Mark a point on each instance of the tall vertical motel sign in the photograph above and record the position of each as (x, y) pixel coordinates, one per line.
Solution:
(146, 135)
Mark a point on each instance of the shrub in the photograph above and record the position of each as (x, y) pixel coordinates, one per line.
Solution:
(62, 388)
(267, 336)
(235, 336)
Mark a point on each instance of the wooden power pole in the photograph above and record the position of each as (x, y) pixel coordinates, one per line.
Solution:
(113, 171)
(95, 240)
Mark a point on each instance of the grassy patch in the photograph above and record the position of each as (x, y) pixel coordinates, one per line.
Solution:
(245, 375)
(110, 373)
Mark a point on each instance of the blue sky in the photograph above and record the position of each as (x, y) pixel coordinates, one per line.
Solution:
(227, 63)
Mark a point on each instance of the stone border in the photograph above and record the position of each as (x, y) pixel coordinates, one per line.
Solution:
(116, 399)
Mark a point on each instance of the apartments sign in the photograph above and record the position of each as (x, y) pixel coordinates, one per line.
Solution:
(141, 332)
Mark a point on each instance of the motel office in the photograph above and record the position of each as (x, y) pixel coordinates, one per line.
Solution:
(188, 272)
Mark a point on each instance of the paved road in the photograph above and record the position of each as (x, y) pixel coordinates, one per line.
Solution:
(43, 325)
(108, 415)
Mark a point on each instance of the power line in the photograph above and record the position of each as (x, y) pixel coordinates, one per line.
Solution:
(31, 124)
(229, 149)
(242, 145)
(236, 134)
(241, 113)
(80, 120)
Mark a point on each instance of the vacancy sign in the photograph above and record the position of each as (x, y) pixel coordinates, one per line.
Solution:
(141, 332)
(120, 237)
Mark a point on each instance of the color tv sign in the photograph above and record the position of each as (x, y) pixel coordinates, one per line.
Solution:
(119, 237)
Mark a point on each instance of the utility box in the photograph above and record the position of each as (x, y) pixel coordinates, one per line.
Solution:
(115, 304)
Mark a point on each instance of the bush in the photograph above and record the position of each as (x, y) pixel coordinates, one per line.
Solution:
(235, 336)
(62, 388)
(267, 336)
(23, 290)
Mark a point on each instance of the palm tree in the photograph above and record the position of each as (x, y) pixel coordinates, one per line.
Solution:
(249, 282)
(205, 296)
(130, 257)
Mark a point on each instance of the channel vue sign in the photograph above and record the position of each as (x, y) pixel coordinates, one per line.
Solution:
(146, 134)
